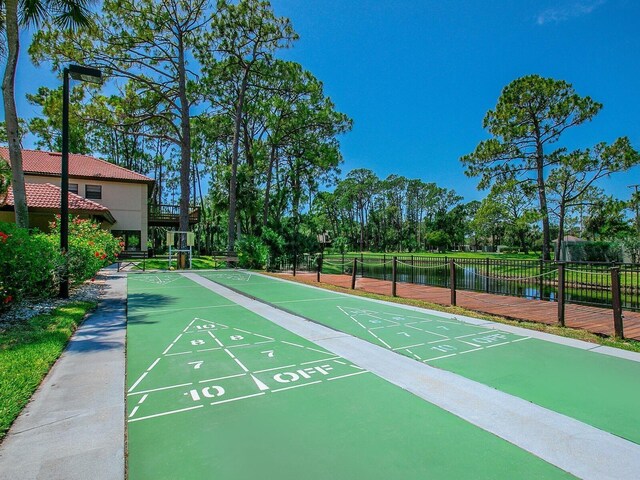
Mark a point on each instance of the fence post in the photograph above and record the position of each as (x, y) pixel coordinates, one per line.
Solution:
(452, 268)
(319, 260)
(342, 267)
(486, 273)
(295, 262)
(384, 266)
(616, 302)
(561, 285)
(541, 286)
(361, 265)
(394, 276)
(412, 270)
(353, 273)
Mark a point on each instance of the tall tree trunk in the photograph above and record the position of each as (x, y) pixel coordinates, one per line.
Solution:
(11, 114)
(542, 196)
(185, 143)
(233, 181)
(267, 188)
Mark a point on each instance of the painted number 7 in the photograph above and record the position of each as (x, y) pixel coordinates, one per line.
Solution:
(196, 365)
(269, 353)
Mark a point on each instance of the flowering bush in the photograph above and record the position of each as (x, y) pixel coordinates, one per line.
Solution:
(31, 264)
(90, 247)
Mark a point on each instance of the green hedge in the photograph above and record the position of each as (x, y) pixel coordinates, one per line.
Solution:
(31, 262)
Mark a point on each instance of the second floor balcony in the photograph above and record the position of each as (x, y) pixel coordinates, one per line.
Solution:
(169, 215)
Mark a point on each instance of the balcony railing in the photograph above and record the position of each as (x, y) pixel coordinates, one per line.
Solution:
(167, 215)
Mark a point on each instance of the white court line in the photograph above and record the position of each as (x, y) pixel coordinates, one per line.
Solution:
(274, 368)
(153, 364)
(438, 358)
(318, 361)
(159, 389)
(261, 386)
(222, 378)
(168, 310)
(189, 326)
(306, 300)
(520, 339)
(474, 334)
(251, 333)
(469, 343)
(264, 341)
(429, 332)
(172, 344)
(236, 399)
(370, 332)
(498, 344)
(409, 346)
(296, 386)
(207, 349)
(472, 350)
(137, 381)
(294, 344)
(177, 353)
(340, 362)
(347, 375)
(241, 364)
(165, 413)
(216, 339)
(135, 409)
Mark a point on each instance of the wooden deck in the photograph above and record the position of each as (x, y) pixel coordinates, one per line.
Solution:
(593, 319)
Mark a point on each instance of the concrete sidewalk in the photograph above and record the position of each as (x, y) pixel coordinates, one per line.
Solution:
(73, 427)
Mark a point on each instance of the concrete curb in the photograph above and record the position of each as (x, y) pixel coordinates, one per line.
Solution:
(73, 428)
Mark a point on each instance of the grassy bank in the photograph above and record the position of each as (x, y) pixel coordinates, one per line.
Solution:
(27, 352)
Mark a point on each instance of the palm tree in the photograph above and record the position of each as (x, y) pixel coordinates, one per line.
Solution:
(67, 14)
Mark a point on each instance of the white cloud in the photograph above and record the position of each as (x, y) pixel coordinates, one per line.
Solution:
(567, 11)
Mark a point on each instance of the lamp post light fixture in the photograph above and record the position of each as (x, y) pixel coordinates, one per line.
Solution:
(85, 74)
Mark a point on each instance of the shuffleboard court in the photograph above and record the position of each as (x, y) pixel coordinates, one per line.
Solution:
(216, 391)
(596, 389)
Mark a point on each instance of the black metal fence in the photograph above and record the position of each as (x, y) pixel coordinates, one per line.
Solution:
(579, 282)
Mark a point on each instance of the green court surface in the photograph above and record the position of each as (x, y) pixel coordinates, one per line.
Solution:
(216, 391)
(596, 389)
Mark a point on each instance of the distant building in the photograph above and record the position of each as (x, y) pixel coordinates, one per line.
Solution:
(116, 197)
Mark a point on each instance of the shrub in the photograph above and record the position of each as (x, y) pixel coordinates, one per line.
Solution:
(252, 253)
(90, 247)
(32, 263)
(29, 264)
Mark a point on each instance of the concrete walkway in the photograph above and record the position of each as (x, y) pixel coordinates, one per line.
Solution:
(73, 428)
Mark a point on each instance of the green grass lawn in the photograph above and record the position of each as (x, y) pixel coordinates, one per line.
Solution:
(27, 351)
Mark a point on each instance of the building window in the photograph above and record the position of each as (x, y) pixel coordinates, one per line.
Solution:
(93, 191)
(131, 238)
(73, 188)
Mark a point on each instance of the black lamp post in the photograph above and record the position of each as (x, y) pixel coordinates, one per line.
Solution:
(84, 74)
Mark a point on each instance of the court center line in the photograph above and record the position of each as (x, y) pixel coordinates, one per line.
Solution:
(153, 364)
(274, 368)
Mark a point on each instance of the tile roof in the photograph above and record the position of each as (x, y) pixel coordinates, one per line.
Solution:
(48, 163)
(46, 195)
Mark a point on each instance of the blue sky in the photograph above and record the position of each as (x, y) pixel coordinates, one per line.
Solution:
(417, 77)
